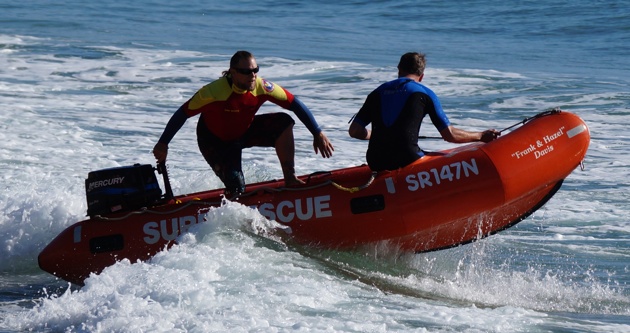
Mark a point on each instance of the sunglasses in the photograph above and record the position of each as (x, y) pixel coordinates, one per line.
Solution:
(247, 71)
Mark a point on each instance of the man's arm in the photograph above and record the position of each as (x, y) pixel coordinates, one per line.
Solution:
(358, 128)
(359, 131)
(160, 151)
(321, 144)
(305, 116)
(456, 135)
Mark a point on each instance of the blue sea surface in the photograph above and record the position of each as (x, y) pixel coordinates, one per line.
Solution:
(578, 37)
(88, 85)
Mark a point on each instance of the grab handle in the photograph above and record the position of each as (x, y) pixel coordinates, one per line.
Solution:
(161, 168)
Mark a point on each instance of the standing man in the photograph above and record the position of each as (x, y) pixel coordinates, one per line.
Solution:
(228, 123)
(396, 110)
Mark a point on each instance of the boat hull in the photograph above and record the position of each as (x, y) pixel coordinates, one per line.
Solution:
(445, 199)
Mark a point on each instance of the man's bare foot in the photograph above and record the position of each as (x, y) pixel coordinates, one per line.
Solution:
(292, 182)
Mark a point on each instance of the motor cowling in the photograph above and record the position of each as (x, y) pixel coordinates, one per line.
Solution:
(121, 189)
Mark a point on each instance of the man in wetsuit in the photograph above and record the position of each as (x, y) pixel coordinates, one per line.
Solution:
(396, 110)
(228, 123)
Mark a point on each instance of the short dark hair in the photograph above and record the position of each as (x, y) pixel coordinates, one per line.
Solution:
(236, 58)
(412, 63)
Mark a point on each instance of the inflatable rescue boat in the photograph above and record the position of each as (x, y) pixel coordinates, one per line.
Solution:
(444, 199)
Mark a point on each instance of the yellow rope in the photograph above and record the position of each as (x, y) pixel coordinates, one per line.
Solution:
(350, 189)
(356, 188)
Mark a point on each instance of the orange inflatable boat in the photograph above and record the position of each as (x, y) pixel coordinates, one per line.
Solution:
(444, 199)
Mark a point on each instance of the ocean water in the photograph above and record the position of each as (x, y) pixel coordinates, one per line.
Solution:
(87, 85)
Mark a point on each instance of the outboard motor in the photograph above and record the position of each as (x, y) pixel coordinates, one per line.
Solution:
(121, 189)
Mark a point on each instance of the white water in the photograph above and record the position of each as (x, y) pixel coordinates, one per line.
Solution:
(565, 268)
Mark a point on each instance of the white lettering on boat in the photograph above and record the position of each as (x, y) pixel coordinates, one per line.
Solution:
(302, 209)
(551, 137)
(105, 182)
(168, 230)
(285, 211)
(543, 152)
(389, 183)
(524, 152)
(543, 146)
(435, 176)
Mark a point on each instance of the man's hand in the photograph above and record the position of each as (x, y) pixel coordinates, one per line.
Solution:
(322, 145)
(160, 151)
(489, 135)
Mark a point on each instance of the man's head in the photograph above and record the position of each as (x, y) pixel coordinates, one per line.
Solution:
(411, 63)
(243, 69)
